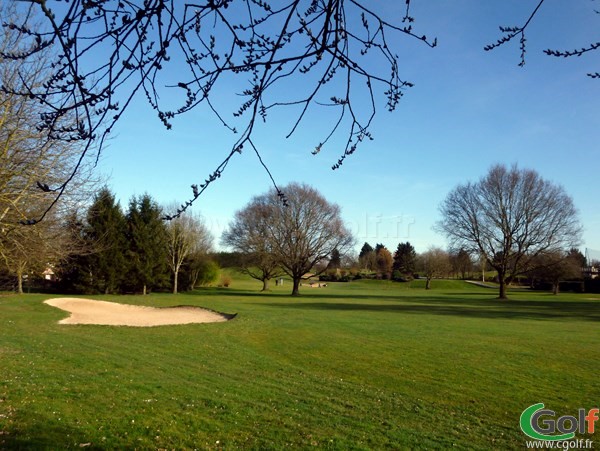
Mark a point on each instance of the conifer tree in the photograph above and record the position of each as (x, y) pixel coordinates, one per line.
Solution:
(367, 257)
(405, 258)
(365, 250)
(146, 234)
(74, 272)
(335, 261)
(106, 226)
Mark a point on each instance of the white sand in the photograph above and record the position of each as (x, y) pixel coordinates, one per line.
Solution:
(87, 311)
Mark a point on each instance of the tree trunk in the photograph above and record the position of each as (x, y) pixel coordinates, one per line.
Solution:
(144, 290)
(502, 294)
(483, 267)
(20, 281)
(555, 288)
(194, 279)
(175, 277)
(265, 285)
(428, 283)
(296, 289)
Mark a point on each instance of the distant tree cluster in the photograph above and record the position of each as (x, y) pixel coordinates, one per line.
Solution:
(135, 251)
(462, 263)
(399, 266)
(553, 267)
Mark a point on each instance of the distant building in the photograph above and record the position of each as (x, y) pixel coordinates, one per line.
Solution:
(590, 272)
(49, 274)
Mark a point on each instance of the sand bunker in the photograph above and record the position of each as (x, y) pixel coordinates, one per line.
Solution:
(87, 311)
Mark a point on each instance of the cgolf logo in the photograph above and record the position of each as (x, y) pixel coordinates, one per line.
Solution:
(540, 424)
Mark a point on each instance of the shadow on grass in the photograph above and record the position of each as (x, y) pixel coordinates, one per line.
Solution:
(44, 433)
(475, 304)
(473, 308)
(326, 294)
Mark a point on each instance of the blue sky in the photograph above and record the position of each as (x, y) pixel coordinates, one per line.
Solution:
(469, 109)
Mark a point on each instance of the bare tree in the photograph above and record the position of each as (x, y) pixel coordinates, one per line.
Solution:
(510, 217)
(554, 267)
(248, 235)
(186, 235)
(435, 262)
(461, 262)
(27, 157)
(303, 232)
(28, 251)
(350, 261)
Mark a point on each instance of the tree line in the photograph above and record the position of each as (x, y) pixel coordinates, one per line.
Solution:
(548, 269)
(103, 249)
(405, 264)
(512, 221)
(108, 250)
(135, 251)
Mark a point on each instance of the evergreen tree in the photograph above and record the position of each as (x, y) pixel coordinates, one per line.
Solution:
(73, 272)
(335, 261)
(405, 259)
(365, 250)
(576, 255)
(147, 252)
(106, 227)
(378, 247)
(366, 258)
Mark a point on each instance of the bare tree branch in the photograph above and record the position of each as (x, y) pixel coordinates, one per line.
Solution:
(155, 47)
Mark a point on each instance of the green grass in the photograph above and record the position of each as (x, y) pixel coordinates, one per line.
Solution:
(362, 365)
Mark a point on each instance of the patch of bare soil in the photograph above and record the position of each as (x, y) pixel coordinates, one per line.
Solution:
(87, 311)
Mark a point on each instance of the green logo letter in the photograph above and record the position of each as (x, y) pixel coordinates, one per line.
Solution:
(530, 427)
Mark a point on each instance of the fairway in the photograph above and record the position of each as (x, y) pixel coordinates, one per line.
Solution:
(359, 365)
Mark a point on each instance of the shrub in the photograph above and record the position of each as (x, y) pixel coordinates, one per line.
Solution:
(225, 280)
(334, 275)
(208, 272)
(397, 276)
